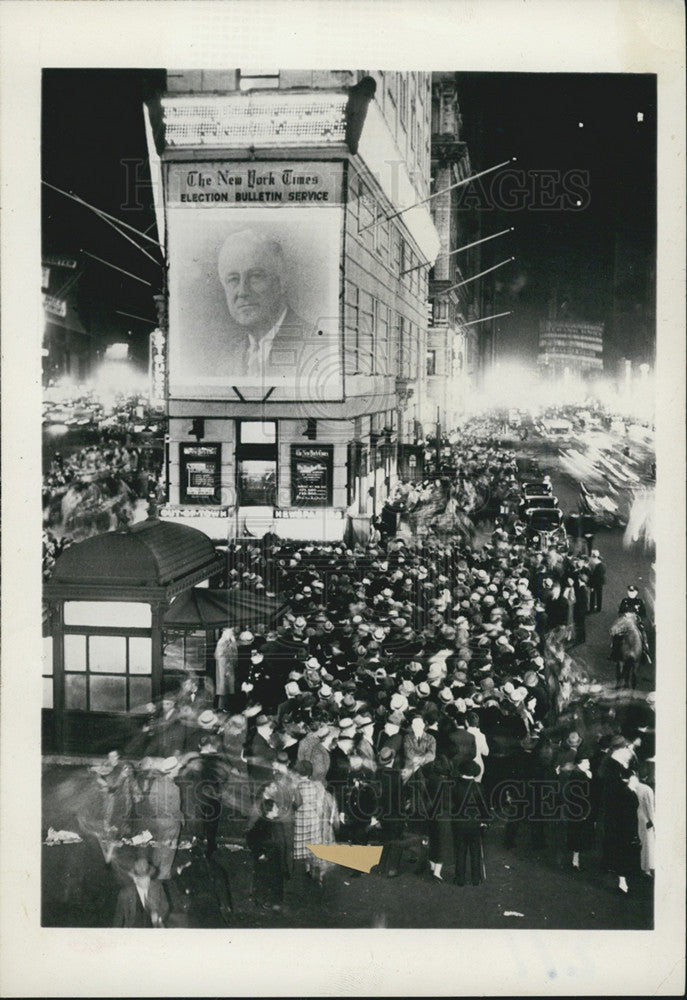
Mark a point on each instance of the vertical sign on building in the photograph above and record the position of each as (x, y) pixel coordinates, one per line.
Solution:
(156, 368)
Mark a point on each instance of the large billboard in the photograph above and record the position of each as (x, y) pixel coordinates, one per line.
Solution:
(254, 280)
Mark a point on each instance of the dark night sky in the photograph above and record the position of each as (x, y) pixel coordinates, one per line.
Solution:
(92, 122)
(536, 117)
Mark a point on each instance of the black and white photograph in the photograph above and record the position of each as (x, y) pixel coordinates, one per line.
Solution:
(356, 585)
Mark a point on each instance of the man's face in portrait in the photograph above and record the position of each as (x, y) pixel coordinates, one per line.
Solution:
(251, 271)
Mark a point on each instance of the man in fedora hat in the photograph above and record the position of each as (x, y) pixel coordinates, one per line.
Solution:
(143, 903)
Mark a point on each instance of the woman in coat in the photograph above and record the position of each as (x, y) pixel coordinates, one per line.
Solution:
(315, 820)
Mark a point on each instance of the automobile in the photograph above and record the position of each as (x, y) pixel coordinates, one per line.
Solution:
(545, 525)
(538, 503)
(541, 488)
(556, 425)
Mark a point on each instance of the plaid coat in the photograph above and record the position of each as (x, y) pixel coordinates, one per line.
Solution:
(314, 818)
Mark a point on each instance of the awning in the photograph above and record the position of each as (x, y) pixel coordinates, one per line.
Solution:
(202, 608)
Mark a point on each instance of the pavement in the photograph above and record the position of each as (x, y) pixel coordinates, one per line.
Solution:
(80, 889)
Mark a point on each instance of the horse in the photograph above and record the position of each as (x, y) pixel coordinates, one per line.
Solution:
(628, 649)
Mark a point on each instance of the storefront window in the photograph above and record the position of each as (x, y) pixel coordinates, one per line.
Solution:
(257, 483)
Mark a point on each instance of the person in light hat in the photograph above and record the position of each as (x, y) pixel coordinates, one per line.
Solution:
(399, 702)
(423, 690)
(207, 720)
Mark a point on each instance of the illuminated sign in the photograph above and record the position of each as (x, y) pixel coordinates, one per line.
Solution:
(254, 256)
(284, 183)
(157, 367)
(58, 307)
(174, 511)
(61, 262)
(255, 119)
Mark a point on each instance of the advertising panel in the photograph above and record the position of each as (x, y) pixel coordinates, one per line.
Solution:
(312, 475)
(254, 280)
(200, 473)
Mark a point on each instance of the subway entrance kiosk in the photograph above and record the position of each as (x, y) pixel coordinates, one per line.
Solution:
(106, 601)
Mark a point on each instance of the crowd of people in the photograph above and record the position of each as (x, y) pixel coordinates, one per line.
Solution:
(419, 690)
(92, 490)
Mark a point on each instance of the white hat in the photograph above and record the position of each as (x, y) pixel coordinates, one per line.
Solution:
(446, 694)
(436, 671)
(207, 719)
(347, 725)
(168, 765)
(300, 622)
(398, 703)
(292, 689)
(246, 636)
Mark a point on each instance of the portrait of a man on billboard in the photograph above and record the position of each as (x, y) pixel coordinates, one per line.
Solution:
(265, 329)
(254, 303)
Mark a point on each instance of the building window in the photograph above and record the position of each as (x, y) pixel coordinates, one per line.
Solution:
(107, 672)
(352, 353)
(367, 210)
(431, 362)
(382, 342)
(367, 334)
(403, 358)
(256, 466)
(257, 482)
(182, 652)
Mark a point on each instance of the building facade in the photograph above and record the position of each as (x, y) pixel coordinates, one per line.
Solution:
(568, 347)
(68, 345)
(295, 185)
(452, 348)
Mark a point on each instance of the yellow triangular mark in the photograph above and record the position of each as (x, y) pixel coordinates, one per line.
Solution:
(357, 856)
